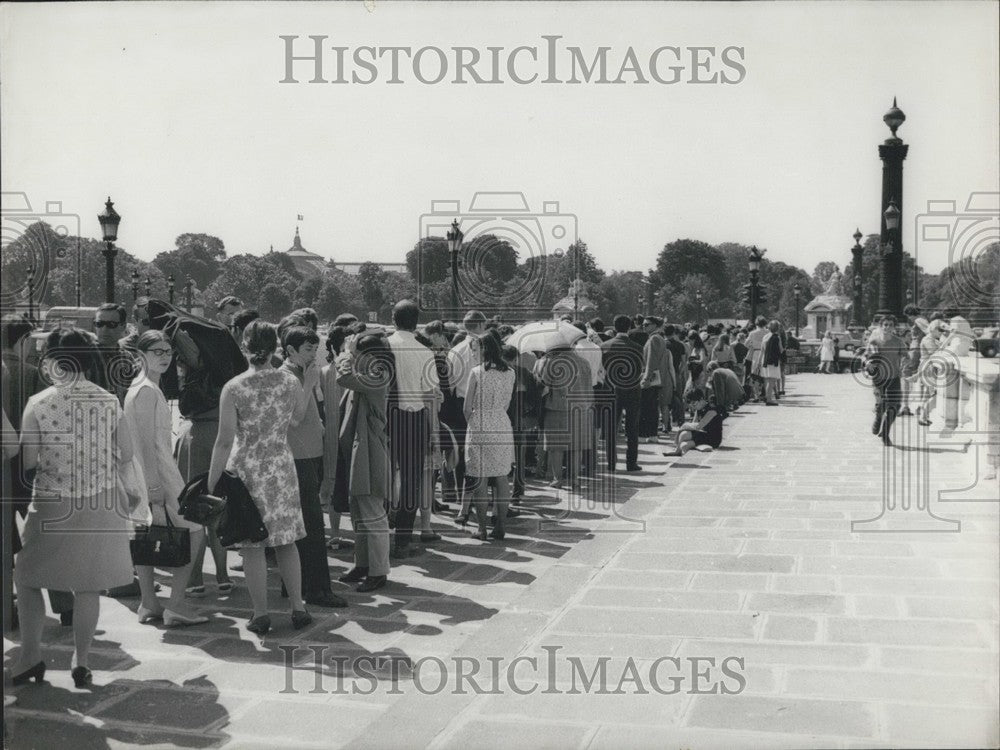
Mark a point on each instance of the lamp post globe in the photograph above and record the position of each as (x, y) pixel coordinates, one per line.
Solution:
(109, 219)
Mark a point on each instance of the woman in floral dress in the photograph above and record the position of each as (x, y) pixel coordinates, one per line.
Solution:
(257, 407)
(489, 439)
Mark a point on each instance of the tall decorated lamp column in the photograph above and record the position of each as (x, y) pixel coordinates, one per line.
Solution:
(109, 220)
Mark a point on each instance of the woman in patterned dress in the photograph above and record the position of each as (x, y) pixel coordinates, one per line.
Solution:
(257, 407)
(77, 530)
(489, 438)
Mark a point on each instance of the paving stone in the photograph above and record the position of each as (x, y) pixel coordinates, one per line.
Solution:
(639, 622)
(790, 628)
(296, 720)
(488, 733)
(804, 603)
(174, 708)
(784, 714)
(763, 653)
(951, 608)
(740, 582)
(649, 579)
(913, 632)
(804, 584)
(871, 566)
(882, 687)
(720, 563)
(691, 738)
(949, 726)
(875, 606)
(973, 663)
(696, 600)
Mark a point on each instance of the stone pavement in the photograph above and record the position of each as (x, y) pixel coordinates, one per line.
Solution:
(664, 580)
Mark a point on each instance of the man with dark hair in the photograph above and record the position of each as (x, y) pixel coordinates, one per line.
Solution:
(412, 411)
(883, 358)
(116, 367)
(241, 320)
(623, 372)
(306, 441)
(657, 380)
(309, 316)
(598, 327)
(345, 319)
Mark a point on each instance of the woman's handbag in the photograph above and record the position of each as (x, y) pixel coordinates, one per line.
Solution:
(241, 522)
(198, 506)
(161, 546)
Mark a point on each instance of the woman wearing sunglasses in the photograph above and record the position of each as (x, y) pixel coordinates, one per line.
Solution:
(149, 422)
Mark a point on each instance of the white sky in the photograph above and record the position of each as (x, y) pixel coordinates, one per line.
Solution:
(175, 110)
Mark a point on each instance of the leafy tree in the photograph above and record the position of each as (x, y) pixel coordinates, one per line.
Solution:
(199, 256)
(283, 262)
(624, 292)
(372, 277)
(307, 292)
(688, 257)
(274, 301)
(429, 261)
(245, 276)
(821, 275)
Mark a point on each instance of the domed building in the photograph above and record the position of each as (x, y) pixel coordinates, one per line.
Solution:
(575, 303)
(306, 263)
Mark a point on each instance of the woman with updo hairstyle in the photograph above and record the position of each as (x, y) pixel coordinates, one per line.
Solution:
(149, 422)
(258, 406)
(76, 532)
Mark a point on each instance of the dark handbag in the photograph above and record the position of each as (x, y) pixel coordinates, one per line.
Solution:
(161, 546)
(241, 522)
(198, 506)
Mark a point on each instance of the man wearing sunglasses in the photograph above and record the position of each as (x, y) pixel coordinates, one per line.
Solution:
(116, 367)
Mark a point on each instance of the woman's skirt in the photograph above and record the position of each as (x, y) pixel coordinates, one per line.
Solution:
(76, 544)
(771, 371)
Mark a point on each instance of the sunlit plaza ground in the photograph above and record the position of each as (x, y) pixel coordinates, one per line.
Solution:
(837, 638)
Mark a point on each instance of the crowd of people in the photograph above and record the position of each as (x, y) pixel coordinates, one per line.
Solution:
(387, 427)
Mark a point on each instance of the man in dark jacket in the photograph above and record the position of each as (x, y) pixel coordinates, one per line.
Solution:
(623, 368)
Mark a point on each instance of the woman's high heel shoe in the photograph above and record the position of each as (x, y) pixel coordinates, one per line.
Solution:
(260, 625)
(37, 671)
(82, 677)
(301, 619)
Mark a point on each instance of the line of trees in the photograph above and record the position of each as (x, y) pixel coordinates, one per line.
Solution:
(692, 280)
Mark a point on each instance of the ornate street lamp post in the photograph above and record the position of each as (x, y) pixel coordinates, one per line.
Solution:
(170, 288)
(698, 298)
(109, 227)
(188, 287)
(31, 293)
(754, 263)
(857, 253)
(890, 293)
(892, 153)
(797, 289)
(149, 287)
(454, 246)
(135, 285)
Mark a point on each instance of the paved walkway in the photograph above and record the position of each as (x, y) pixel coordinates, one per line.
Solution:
(730, 572)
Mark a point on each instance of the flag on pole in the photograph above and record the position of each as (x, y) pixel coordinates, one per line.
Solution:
(301, 217)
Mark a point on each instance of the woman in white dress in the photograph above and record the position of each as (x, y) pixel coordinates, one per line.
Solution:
(826, 351)
(149, 422)
(489, 439)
